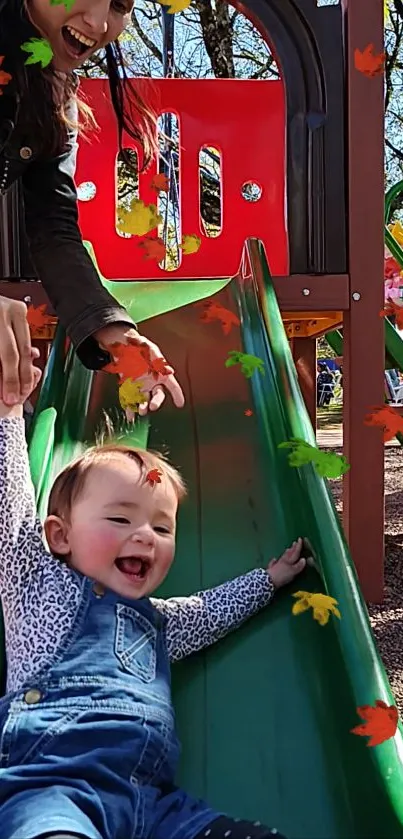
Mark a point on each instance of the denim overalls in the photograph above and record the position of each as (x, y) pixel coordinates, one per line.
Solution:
(89, 745)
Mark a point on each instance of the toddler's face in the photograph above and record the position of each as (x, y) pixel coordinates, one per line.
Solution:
(122, 530)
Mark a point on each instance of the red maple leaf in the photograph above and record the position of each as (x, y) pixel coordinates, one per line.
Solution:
(380, 722)
(215, 311)
(156, 366)
(248, 413)
(160, 183)
(154, 248)
(38, 317)
(159, 367)
(368, 62)
(129, 361)
(5, 78)
(386, 417)
(154, 476)
(392, 268)
(392, 309)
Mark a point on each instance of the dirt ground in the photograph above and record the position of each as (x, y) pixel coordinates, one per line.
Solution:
(387, 619)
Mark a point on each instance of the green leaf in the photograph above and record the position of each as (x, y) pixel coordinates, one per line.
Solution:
(41, 51)
(68, 4)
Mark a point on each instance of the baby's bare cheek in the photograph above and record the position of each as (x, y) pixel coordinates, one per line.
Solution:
(104, 541)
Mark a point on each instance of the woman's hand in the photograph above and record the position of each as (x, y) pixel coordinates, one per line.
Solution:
(16, 408)
(122, 334)
(16, 370)
(288, 566)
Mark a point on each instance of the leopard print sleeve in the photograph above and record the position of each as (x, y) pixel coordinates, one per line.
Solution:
(200, 620)
(20, 529)
(39, 594)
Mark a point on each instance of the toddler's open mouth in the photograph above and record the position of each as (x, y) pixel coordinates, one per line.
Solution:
(133, 567)
(76, 43)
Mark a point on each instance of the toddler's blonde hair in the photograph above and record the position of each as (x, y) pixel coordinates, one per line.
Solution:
(70, 483)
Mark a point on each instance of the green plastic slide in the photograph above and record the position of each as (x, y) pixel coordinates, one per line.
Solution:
(265, 715)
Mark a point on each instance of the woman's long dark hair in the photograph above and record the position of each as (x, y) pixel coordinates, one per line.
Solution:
(43, 110)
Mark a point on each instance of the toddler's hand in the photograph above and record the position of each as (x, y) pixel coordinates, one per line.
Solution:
(288, 566)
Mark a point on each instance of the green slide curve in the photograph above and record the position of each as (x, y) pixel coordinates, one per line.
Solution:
(265, 715)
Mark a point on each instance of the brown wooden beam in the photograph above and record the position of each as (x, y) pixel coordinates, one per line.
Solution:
(363, 335)
(25, 289)
(326, 292)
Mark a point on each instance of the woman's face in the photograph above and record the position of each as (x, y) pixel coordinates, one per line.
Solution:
(74, 35)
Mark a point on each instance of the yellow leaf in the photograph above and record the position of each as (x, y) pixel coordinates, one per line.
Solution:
(176, 5)
(131, 395)
(190, 244)
(140, 219)
(321, 615)
(322, 605)
(386, 12)
(397, 232)
(300, 606)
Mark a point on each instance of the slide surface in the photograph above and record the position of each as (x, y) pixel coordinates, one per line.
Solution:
(265, 715)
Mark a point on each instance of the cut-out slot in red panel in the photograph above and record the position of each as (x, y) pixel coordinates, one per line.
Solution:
(245, 122)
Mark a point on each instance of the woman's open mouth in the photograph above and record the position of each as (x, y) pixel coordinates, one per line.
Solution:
(134, 568)
(76, 43)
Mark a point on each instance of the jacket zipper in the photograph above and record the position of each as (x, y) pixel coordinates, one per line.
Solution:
(4, 178)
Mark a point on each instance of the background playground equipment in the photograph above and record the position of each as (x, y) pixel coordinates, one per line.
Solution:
(393, 339)
(246, 503)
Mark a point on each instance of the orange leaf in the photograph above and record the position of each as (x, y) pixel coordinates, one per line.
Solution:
(5, 78)
(368, 62)
(153, 248)
(38, 317)
(386, 417)
(160, 183)
(129, 361)
(392, 309)
(380, 722)
(154, 476)
(156, 366)
(392, 268)
(214, 311)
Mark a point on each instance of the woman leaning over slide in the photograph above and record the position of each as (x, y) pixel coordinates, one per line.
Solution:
(39, 114)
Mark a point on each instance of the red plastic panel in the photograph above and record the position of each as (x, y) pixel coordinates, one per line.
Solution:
(245, 121)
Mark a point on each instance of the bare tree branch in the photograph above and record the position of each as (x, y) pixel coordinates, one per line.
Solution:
(145, 39)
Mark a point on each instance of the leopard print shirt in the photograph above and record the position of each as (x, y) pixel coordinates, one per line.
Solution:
(40, 595)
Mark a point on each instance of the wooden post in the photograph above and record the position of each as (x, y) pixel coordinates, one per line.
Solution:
(363, 366)
(304, 353)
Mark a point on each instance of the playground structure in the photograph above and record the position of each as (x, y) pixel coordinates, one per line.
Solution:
(325, 271)
(324, 274)
(290, 270)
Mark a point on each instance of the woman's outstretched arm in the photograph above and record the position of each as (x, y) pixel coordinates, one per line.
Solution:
(61, 261)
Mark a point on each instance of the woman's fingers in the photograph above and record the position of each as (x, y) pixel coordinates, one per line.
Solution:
(157, 398)
(175, 390)
(9, 361)
(23, 338)
(15, 351)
